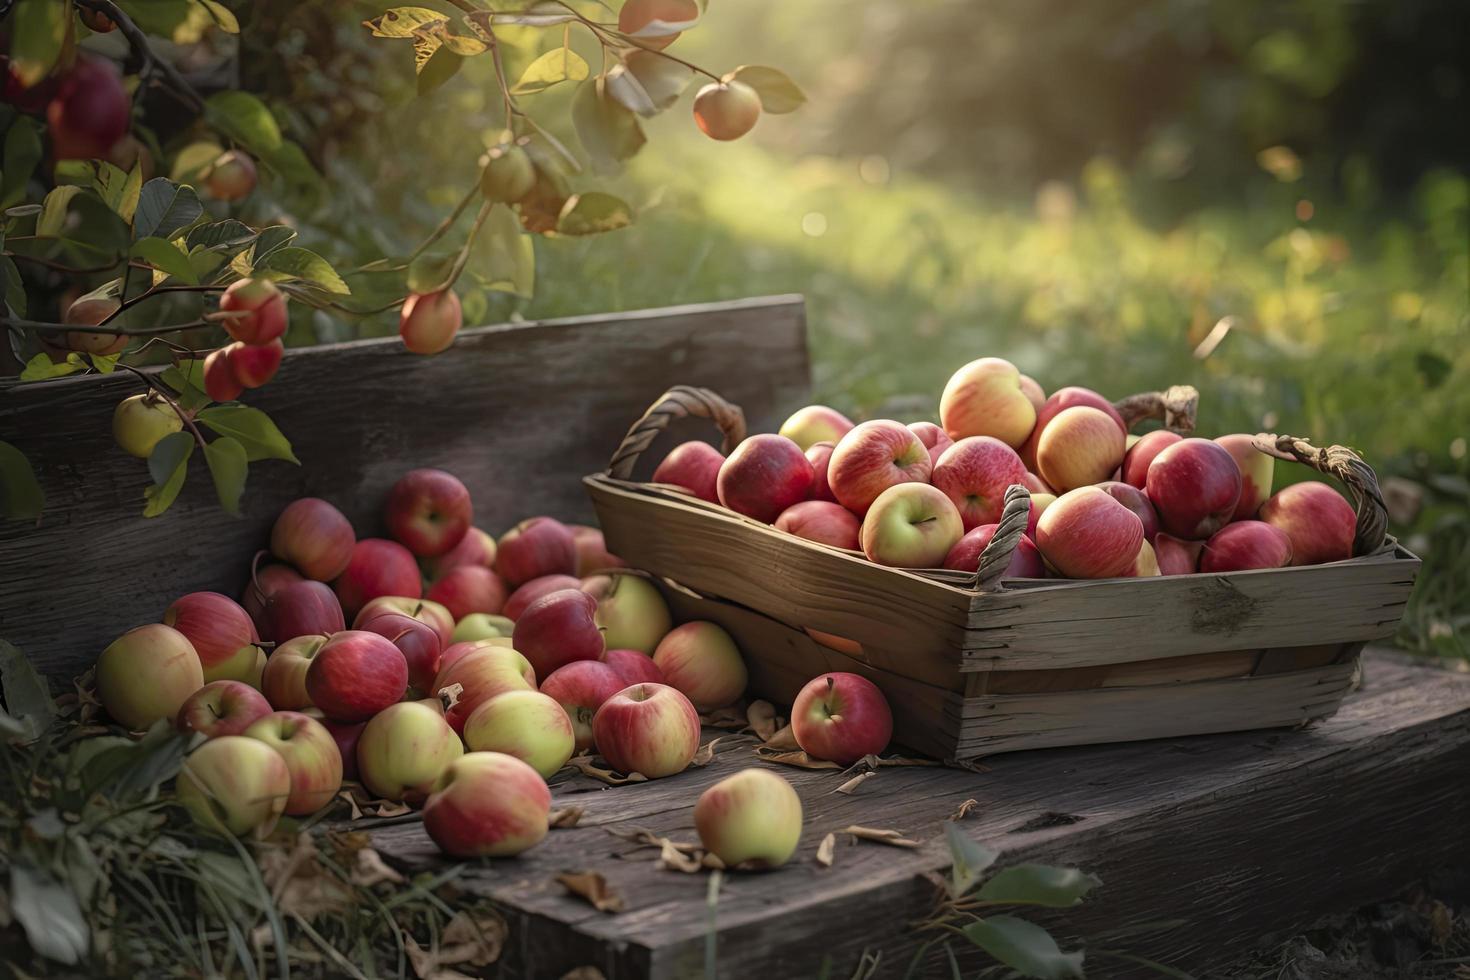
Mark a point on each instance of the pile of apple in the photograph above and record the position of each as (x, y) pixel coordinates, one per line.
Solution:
(1104, 503)
(473, 670)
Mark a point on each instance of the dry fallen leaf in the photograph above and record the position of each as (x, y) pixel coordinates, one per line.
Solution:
(585, 765)
(879, 762)
(370, 869)
(671, 858)
(825, 850)
(731, 717)
(850, 787)
(760, 717)
(965, 809)
(567, 816)
(592, 887)
(893, 837)
(712, 862)
(351, 799)
(784, 740)
(647, 838)
(706, 753)
(798, 758)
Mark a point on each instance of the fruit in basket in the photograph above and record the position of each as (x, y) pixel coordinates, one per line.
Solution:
(428, 322)
(1137, 501)
(1145, 563)
(1061, 400)
(1039, 503)
(535, 547)
(581, 688)
(1319, 522)
(819, 454)
(1081, 446)
(702, 662)
(558, 629)
(822, 521)
(404, 749)
(1194, 485)
(634, 667)
(475, 548)
(985, 398)
(965, 555)
(315, 537)
(1176, 556)
(418, 643)
(312, 758)
(482, 671)
(355, 675)
(428, 511)
(750, 819)
(912, 525)
(935, 439)
(974, 473)
(487, 804)
(631, 612)
(469, 589)
(813, 424)
(647, 728)
(695, 466)
(1033, 391)
(535, 589)
(1136, 461)
(1245, 544)
(220, 631)
(424, 610)
(302, 608)
(261, 309)
(141, 421)
(284, 681)
(222, 708)
(529, 725)
(763, 476)
(147, 674)
(377, 568)
(1256, 472)
(1036, 484)
(873, 457)
(841, 717)
(263, 584)
(483, 626)
(592, 553)
(1088, 534)
(235, 785)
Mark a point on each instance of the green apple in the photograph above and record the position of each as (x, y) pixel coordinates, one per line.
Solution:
(140, 422)
(147, 674)
(235, 785)
(752, 818)
(311, 756)
(526, 724)
(630, 612)
(481, 626)
(912, 525)
(403, 750)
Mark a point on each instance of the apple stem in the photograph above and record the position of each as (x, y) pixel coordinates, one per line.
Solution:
(255, 575)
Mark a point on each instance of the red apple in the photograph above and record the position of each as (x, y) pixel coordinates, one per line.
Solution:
(841, 717)
(231, 177)
(975, 473)
(255, 365)
(647, 728)
(1319, 522)
(821, 520)
(346, 735)
(355, 675)
(469, 589)
(220, 383)
(284, 680)
(911, 525)
(481, 673)
(695, 466)
(1137, 501)
(1246, 544)
(311, 754)
(266, 580)
(1176, 556)
(377, 568)
(763, 476)
(873, 457)
(487, 804)
(558, 629)
(426, 611)
(633, 666)
(302, 608)
(1088, 534)
(1039, 503)
(580, 688)
(535, 589)
(535, 547)
(1061, 400)
(985, 398)
(1256, 471)
(965, 555)
(428, 511)
(428, 322)
(417, 641)
(592, 553)
(1136, 461)
(1079, 447)
(262, 309)
(475, 548)
(90, 111)
(813, 424)
(1036, 484)
(1195, 485)
(935, 439)
(819, 454)
(314, 536)
(1033, 391)
(222, 708)
(220, 631)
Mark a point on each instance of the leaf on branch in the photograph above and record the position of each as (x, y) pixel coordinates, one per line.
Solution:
(168, 464)
(227, 466)
(505, 259)
(593, 213)
(560, 65)
(252, 428)
(41, 368)
(609, 132)
(1037, 884)
(663, 28)
(545, 14)
(21, 496)
(165, 257)
(223, 18)
(779, 94)
(592, 888)
(246, 120)
(22, 153)
(439, 67)
(662, 79)
(623, 86)
(403, 21)
(271, 238)
(13, 289)
(194, 159)
(38, 36)
(295, 263)
(52, 221)
(1024, 947)
(27, 696)
(228, 236)
(969, 858)
(164, 209)
(48, 910)
(118, 188)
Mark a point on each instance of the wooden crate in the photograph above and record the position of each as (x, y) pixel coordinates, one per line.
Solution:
(973, 666)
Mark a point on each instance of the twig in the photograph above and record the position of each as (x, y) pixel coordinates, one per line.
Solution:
(16, 323)
(60, 267)
(605, 35)
(153, 291)
(447, 223)
(139, 42)
(464, 253)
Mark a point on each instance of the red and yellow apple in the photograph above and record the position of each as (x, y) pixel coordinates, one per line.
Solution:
(481, 670)
(558, 629)
(985, 398)
(822, 521)
(581, 687)
(428, 511)
(475, 548)
(303, 608)
(222, 708)
(284, 681)
(965, 555)
(650, 729)
(813, 424)
(911, 525)
(841, 717)
(355, 675)
(220, 631)
(535, 547)
(315, 537)
(312, 758)
(702, 662)
(935, 439)
(1256, 472)
(975, 473)
(487, 804)
(631, 612)
(147, 674)
(1141, 454)
(592, 553)
(1079, 447)
(418, 643)
(695, 466)
(426, 611)
(751, 819)
(763, 476)
(378, 567)
(404, 749)
(261, 311)
(1137, 501)
(235, 785)
(819, 454)
(1194, 485)
(529, 725)
(1240, 545)
(633, 666)
(428, 322)
(872, 458)
(469, 589)
(535, 589)
(1319, 522)
(1176, 556)
(1088, 534)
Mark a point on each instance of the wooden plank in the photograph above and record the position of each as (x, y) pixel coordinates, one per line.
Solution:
(1242, 836)
(519, 412)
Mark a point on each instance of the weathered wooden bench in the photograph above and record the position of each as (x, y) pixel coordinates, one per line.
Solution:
(1205, 845)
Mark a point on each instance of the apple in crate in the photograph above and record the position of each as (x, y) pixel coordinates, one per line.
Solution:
(355, 675)
(428, 511)
(1061, 400)
(1177, 556)
(315, 537)
(1088, 534)
(841, 717)
(813, 424)
(1145, 563)
(935, 439)
(222, 708)
(1036, 484)
(647, 728)
(378, 567)
(1137, 501)
(985, 398)
(873, 457)
(581, 688)
(426, 611)
(1033, 391)
(965, 555)
(821, 521)
(1319, 522)
(1256, 472)
(529, 725)
(1194, 485)
(302, 608)
(403, 750)
(763, 476)
(975, 473)
(535, 547)
(695, 466)
(220, 631)
(592, 553)
(631, 612)
(702, 662)
(311, 754)
(819, 454)
(912, 525)
(469, 589)
(418, 643)
(751, 819)
(475, 548)
(557, 629)
(483, 626)
(1141, 454)
(1039, 503)
(487, 804)
(633, 666)
(147, 674)
(535, 589)
(235, 785)
(1245, 544)
(1081, 446)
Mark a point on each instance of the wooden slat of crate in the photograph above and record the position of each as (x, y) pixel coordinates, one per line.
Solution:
(519, 412)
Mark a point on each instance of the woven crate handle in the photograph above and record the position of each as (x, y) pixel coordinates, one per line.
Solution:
(1348, 467)
(680, 401)
(996, 556)
(1174, 406)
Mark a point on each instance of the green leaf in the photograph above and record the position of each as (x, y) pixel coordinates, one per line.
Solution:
(53, 210)
(221, 15)
(561, 65)
(1037, 884)
(505, 258)
(49, 913)
(27, 696)
(252, 427)
(228, 466)
(118, 188)
(245, 119)
(102, 363)
(299, 263)
(403, 21)
(153, 759)
(164, 209)
(194, 159)
(21, 496)
(22, 153)
(1432, 368)
(168, 464)
(12, 286)
(663, 80)
(291, 162)
(442, 65)
(41, 368)
(427, 271)
(971, 859)
(184, 377)
(37, 37)
(623, 87)
(165, 256)
(779, 94)
(592, 213)
(609, 132)
(1024, 947)
(539, 15)
(271, 238)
